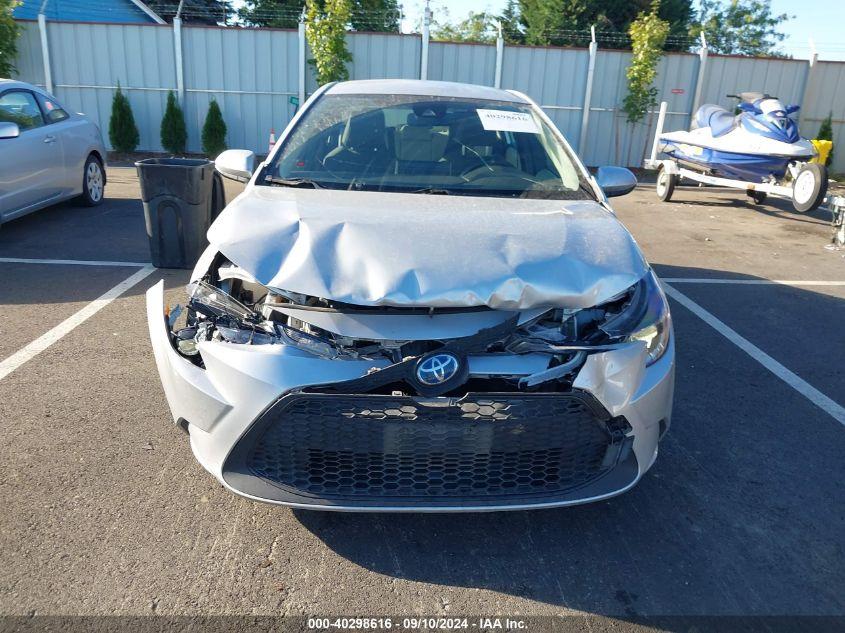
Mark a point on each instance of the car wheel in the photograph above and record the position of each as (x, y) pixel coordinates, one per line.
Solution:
(809, 187)
(665, 184)
(93, 182)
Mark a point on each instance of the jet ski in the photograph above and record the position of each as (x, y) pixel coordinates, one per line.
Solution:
(759, 145)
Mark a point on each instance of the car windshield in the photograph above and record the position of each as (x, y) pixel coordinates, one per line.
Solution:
(425, 144)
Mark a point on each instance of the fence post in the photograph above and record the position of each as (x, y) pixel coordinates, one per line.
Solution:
(302, 67)
(808, 80)
(45, 49)
(588, 91)
(177, 51)
(425, 37)
(661, 121)
(699, 80)
(500, 52)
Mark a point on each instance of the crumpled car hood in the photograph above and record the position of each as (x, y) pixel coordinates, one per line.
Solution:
(392, 249)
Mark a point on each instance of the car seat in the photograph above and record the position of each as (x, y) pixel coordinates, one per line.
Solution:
(420, 148)
(363, 146)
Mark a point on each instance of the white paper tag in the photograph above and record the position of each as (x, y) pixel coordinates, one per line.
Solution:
(505, 121)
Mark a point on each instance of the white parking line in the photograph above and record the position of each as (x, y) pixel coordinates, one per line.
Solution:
(750, 282)
(69, 262)
(44, 341)
(800, 385)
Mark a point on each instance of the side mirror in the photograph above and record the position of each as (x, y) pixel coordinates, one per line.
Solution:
(9, 130)
(237, 164)
(616, 181)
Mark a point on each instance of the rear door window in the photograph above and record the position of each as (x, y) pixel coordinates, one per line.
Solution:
(53, 112)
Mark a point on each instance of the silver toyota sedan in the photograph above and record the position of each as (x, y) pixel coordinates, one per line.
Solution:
(422, 301)
(47, 154)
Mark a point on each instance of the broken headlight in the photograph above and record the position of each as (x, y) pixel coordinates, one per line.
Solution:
(215, 315)
(216, 304)
(651, 320)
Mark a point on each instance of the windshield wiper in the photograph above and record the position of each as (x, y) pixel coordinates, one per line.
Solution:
(292, 182)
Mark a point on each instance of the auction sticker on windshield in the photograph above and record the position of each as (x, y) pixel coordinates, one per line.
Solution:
(505, 121)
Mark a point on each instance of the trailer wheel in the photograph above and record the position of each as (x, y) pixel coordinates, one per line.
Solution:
(809, 187)
(665, 184)
(759, 197)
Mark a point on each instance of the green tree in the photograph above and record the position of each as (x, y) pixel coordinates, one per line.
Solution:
(740, 27)
(376, 15)
(366, 15)
(325, 30)
(568, 22)
(9, 31)
(123, 133)
(280, 14)
(826, 134)
(648, 34)
(213, 131)
(477, 27)
(174, 133)
(511, 24)
(210, 12)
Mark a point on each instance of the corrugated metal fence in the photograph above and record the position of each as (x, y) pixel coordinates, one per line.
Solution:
(253, 73)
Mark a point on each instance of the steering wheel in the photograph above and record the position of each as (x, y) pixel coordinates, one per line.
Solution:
(494, 166)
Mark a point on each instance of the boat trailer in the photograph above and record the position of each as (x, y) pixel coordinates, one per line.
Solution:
(670, 173)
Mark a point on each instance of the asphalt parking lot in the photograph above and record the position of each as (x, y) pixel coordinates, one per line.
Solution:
(105, 510)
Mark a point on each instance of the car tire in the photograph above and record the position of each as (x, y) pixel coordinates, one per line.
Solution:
(93, 182)
(809, 187)
(665, 185)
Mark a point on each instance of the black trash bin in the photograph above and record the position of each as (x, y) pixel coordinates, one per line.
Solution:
(181, 197)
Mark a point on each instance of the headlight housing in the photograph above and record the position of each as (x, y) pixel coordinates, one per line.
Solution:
(655, 327)
(645, 318)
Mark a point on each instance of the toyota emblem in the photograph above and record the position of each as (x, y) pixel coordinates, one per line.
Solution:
(437, 368)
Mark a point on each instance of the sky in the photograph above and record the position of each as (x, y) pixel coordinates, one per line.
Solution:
(821, 20)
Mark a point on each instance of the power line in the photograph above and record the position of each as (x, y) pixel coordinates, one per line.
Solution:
(238, 18)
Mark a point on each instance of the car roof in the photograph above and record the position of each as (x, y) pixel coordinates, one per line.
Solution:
(419, 87)
(5, 84)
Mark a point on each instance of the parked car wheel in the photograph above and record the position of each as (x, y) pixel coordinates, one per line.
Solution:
(665, 184)
(93, 182)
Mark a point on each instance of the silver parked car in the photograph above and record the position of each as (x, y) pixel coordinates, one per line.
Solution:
(47, 154)
(422, 301)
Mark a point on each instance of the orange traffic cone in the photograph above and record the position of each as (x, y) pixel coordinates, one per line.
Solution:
(272, 141)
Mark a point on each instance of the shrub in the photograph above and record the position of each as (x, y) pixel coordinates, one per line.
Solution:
(648, 35)
(9, 31)
(325, 29)
(123, 133)
(826, 134)
(174, 133)
(213, 131)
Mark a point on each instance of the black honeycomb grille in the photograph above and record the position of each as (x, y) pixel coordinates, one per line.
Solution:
(479, 446)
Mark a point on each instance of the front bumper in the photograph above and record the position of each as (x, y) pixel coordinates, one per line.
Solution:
(255, 427)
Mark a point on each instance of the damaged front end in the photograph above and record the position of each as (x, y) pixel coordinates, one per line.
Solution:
(339, 406)
(230, 306)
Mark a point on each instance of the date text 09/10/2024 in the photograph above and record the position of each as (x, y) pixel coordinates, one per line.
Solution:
(417, 623)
